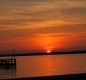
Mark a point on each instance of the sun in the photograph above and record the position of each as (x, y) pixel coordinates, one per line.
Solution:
(48, 51)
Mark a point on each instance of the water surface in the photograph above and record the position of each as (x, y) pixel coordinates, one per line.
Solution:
(46, 65)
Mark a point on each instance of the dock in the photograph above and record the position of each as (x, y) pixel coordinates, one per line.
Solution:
(7, 68)
(8, 61)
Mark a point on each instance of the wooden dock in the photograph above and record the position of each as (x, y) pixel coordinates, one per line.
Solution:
(8, 62)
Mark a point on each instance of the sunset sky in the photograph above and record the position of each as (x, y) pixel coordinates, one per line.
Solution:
(42, 25)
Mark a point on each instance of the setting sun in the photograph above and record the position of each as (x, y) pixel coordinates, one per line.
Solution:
(48, 51)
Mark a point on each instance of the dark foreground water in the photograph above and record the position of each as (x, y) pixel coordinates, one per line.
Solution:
(45, 65)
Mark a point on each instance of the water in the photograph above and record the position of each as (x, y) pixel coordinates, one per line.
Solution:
(46, 65)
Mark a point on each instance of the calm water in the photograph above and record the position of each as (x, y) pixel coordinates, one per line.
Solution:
(46, 65)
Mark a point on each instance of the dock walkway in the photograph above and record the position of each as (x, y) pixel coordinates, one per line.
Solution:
(10, 62)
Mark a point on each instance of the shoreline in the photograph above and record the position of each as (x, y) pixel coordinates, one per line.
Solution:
(38, 54)
(79, 76)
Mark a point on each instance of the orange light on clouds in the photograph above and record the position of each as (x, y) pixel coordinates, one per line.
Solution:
(43, 42)
(48, 43)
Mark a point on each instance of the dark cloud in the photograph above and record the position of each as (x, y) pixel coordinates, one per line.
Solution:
(64, 29)
(20, 21)
(8, 22)
(75, 10)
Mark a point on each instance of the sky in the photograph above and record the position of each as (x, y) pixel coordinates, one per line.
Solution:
(42, 25)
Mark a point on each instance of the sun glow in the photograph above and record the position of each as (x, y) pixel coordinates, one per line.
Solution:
(47, 43)
(48, 51)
